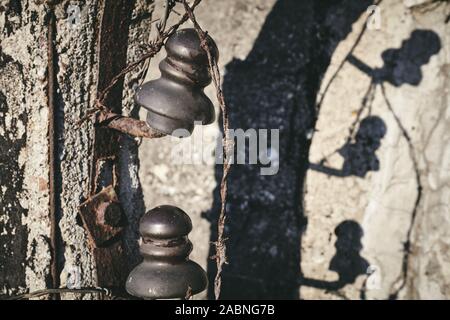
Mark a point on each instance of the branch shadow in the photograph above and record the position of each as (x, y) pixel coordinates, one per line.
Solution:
(347, 262)
(401, 66)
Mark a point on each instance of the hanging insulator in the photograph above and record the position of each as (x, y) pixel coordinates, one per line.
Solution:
(166, 271)
(176, 99)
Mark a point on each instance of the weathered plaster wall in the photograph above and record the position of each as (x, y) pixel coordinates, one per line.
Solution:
(25, 222)
(24, 215)
(429, 272)
(381, 203)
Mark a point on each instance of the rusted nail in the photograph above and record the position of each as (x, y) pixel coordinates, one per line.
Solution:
(131, 126)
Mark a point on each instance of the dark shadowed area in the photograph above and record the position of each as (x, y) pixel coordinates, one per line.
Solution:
(276, 87)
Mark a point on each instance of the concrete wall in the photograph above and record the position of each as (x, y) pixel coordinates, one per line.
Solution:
(26, 221)
(398, 237)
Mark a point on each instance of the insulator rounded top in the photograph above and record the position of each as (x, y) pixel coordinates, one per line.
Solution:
(165, 222)
(166, 271)
(185, 45)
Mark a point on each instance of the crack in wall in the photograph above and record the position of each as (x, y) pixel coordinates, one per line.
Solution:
(54, 167)
(407, 244)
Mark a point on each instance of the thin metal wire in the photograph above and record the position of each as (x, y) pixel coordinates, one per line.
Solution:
(39, 293)
(163, 21)
(220, 244)
(154, 48)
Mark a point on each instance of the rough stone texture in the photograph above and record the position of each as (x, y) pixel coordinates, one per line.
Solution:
(76, 49)
(130, 193)
(24, 180)
(24, 218)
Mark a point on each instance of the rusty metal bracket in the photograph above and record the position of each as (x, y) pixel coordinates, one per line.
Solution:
(128, 125)
(101, 213)
(102, 217)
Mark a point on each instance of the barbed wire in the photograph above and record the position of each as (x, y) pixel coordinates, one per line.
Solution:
(101, 108)
(154, 47)
(220, 245)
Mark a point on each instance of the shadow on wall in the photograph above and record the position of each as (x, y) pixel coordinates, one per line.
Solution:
(347, 262)
(401, 66)
(359, 156)
(276, 88)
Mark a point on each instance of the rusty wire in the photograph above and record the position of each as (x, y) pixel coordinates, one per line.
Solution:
(105, 293)
(220, 245)
(154, 47)
(188, 294)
